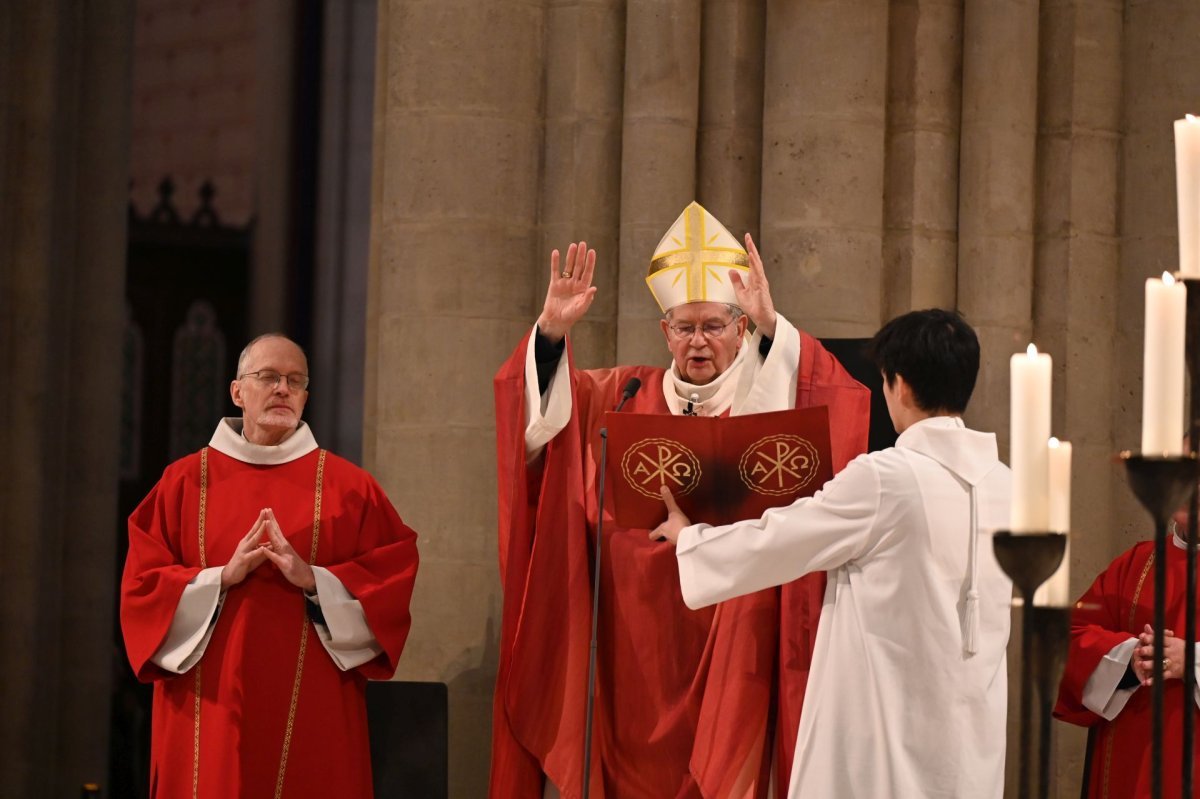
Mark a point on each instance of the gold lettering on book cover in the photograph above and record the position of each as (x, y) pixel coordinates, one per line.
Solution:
(652, 463)
(779, 465)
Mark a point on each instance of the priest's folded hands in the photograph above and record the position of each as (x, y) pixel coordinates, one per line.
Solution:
(676, 519)
(253, 550)
(1143, 656)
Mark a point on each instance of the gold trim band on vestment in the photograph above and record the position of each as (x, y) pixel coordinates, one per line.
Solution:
(1108, 744)
(196, 682)
(312, 558)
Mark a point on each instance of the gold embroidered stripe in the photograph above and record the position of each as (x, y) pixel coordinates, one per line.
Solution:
(713, 256)
(1108, 744)
(312, 558)
(196, 684)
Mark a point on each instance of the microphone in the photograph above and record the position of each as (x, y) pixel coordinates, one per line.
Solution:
(690, 410)
(631, 387)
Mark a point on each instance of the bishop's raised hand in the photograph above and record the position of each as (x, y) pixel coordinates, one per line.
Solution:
(754, 293)
(570, 293)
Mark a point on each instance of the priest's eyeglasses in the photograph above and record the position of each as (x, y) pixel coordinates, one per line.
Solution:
(270, 378)
(709, 329)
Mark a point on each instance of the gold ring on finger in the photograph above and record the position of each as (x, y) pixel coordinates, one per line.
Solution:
(1166, 663)
(565, 273)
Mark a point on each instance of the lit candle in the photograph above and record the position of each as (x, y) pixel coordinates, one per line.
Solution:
(1030, 427)
(1060, 485)
(1056, 592)
(1162, 384)
(1187, 191)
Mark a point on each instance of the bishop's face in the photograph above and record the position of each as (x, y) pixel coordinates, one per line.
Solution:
(271, 409)
(703, 338)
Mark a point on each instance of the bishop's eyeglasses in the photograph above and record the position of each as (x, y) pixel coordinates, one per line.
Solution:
(710, 330)
(269, 378)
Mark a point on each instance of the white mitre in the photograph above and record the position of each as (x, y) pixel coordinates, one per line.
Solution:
(692, 262)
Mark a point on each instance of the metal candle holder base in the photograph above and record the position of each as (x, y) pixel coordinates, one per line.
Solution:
(1161, 484)
(1029, 559)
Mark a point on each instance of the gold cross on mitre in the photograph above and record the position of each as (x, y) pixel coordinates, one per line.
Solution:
(692, 262)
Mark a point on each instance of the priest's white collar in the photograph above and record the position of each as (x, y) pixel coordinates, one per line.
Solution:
(228, 440)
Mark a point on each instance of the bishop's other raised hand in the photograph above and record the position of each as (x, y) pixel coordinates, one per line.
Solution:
(754, 293)
(570, 293)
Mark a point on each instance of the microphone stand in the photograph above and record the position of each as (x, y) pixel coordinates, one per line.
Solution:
(631, 388)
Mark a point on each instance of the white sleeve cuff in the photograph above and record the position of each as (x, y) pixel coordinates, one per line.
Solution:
(769, 384)
(545, 414)
(345, 635)
(192, 626)
(1100, 694)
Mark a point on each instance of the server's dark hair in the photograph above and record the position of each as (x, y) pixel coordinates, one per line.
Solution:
(935, 351)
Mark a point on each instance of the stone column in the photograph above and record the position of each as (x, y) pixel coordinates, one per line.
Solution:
(996, 193)
(343, 227)
(581, 164)
(823, 162)
(1076, 279)
(920, 246)
(450, 289)
(729, 144)
(658, 156)
(273, 87)
(64, 171)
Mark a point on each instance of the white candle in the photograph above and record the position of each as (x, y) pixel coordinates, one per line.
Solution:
(1030, 426)
(1187, 191)
(1056, 592)
(1162, 384)
(1060, 485)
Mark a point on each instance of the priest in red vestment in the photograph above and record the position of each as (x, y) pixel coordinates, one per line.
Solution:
(1106, 684)
(266, 580)
(669, 680)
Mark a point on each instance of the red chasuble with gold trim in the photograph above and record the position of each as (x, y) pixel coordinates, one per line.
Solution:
(266, 712)
(684, 698)
(1116, 608)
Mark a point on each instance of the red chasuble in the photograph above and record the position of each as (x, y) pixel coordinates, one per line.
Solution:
(262, 711)
(684, 698)
(1123, 600)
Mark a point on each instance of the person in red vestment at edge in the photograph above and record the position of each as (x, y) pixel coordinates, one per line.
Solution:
(266, 580)
(669, 680)
(1110, 665)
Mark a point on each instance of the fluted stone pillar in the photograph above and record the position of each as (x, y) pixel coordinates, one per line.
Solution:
(450, 292)
(823, 162)
(658, 156)
(1078, 252)
(996, 192)
(64, 171)
(581, 175)
(920, 245)
(273, 88)
(729, 140)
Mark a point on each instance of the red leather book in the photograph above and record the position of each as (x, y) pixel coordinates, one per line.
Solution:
(720, 469)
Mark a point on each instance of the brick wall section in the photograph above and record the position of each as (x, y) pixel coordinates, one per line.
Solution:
(193, 103)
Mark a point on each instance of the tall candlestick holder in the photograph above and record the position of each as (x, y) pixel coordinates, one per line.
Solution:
(1192, 359)
(1162, 484)
(1029, 559)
